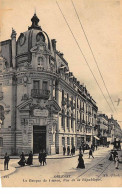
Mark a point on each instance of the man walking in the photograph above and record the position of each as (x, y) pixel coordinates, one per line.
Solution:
(96, 146)
(64, 150)
(44, 157)
(6, 161)
(91, 153)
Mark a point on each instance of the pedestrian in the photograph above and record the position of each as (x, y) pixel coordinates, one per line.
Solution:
(80, 149)
(22, 160)
(30, 159)
(84, 148)
(92, 147)
(68, 150)
(44, 157)
(116, 162)
(111, 156)
(40, 157)
(91, 153)
(64, 150)
(115, 153)
(72, 151)
(80, 161)
(6, 161)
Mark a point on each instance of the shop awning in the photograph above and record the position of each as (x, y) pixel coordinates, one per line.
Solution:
(96, 137)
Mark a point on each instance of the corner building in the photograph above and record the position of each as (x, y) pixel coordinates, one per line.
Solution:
(42, 105)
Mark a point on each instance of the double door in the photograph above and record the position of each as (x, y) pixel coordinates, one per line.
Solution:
(39, 138)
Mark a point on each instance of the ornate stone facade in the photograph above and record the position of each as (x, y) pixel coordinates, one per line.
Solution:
(42, 104)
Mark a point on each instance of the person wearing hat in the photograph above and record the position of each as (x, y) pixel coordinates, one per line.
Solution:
(6, 161)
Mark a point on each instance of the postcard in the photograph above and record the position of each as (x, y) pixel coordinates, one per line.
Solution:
(60, 93)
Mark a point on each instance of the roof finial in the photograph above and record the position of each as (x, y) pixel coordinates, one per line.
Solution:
(35, 11)
(13, 34)
(35, 21)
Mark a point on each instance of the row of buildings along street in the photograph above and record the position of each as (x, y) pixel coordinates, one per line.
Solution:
(42, 104)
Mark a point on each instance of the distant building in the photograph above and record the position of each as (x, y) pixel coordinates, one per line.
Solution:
(102, 121)
(115, 132)
(42, 104)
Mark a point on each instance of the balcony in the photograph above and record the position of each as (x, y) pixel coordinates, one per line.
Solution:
(1, 95)
(42, 94)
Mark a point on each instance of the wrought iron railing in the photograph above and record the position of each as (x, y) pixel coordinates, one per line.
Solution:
(38, 93)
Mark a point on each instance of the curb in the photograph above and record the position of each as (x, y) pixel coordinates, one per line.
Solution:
(60, 157)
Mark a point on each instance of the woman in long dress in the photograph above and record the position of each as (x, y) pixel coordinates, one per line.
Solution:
(40, 157)
(22, 160)
(81, 161)
(30, 159)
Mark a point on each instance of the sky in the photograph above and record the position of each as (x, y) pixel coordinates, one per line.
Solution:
(101, 20)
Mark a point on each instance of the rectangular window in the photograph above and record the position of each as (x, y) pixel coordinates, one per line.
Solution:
(1, 142)
(36, 85)
(72, 141)
(44, 85)
(63, 141)
(68, 140)
(67, 121)
(72, 121)
(63, 119)
(80, 117)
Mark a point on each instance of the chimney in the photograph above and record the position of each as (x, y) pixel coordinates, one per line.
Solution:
(61, 54)
(54, 44)
(13, 40)
(111, 116)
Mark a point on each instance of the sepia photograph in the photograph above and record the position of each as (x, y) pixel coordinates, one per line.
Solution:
(60, 93)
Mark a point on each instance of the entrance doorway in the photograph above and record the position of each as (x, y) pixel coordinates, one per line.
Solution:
(39, 138)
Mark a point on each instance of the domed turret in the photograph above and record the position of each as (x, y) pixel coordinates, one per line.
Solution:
(27, 40)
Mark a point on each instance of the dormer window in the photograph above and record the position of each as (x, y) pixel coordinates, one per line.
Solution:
(40, 61)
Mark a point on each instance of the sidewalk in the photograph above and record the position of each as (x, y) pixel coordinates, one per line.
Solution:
(55, 156)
